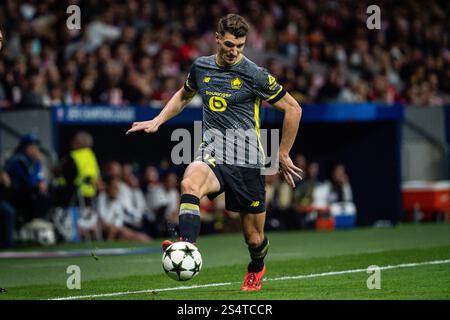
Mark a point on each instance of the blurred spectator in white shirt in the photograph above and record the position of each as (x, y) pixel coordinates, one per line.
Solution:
(111, 209)
(134, 198)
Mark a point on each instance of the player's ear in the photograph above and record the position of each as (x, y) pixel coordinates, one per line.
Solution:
(217, 37)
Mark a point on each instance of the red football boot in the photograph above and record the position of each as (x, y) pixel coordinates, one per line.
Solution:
(253, 280)
(165, 244)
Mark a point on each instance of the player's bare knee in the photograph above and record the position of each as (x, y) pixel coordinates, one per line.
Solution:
(189, 187)
(254, 240)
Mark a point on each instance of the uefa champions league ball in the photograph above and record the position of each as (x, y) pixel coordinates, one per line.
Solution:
(182, 261)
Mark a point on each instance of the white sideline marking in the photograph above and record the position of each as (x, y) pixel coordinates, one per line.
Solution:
(314, 275)
(143, 291)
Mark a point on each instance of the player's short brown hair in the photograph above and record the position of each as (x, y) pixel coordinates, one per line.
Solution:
(234, 24)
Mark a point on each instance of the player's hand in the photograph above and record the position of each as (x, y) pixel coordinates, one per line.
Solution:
(288, 170)
(148, 126)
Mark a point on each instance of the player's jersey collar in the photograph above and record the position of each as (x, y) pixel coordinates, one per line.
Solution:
(232, 65)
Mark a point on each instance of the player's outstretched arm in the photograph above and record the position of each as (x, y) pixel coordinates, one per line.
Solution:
(175, 105)
(292, 116)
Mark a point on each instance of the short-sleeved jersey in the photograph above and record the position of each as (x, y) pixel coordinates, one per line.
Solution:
(231, 98)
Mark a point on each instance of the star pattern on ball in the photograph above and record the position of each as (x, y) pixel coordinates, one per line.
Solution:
(177, 268)
(169, 251)
(188, 251)
(196, 268)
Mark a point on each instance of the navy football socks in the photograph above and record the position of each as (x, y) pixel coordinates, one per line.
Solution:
(258, 254)
(189, 218)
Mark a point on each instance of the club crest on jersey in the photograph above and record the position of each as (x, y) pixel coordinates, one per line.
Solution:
(206, 79)
(236, 83)
(272, 82)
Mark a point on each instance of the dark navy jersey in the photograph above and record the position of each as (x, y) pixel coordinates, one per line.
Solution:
(231, 98)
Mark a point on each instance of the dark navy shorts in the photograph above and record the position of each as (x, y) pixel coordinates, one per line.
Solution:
(244, 187)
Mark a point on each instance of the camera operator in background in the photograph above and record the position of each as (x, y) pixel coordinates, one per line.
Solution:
(29, 189)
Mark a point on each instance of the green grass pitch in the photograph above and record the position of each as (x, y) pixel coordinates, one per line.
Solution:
(300, 265)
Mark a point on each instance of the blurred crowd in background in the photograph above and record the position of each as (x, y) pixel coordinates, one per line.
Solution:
(79, 199)
(139, 52)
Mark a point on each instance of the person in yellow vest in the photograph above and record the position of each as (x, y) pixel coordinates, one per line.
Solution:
(79, 172)
(78, 181)
(88, 172)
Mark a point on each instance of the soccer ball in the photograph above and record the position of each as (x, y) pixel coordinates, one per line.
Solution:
(182, 261)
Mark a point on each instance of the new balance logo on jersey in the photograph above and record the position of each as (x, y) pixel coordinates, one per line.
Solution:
(255, 204)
